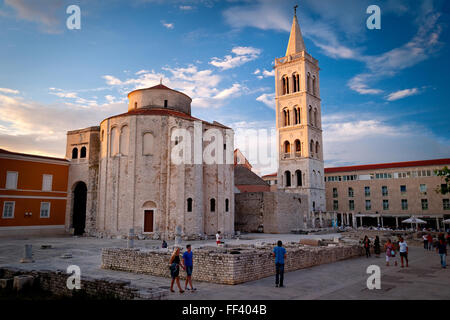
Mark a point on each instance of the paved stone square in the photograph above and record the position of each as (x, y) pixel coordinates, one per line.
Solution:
(424, 279)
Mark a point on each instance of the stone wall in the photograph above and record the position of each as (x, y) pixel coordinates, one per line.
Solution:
(103, 288)
(226, 266)
(275, 212)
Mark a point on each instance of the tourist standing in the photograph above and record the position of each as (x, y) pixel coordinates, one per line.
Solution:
(425, 241)
(390, 251)
(442, 250)
(403, 248)
(376, 246)
(189, 265)
(175, 269)
(218, 238)
(164, 244)
(366, 243)
(280, 254)
(430, 241)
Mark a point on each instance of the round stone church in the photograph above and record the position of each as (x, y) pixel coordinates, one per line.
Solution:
(127, 174)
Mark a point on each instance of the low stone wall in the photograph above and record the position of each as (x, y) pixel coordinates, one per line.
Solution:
(227, 265)
(104, 288)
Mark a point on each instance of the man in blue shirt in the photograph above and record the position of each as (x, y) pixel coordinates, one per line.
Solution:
(280, 254)
(188, 263)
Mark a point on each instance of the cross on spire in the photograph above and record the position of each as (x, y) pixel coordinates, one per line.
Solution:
(295, 9)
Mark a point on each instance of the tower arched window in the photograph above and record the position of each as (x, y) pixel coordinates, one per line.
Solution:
(189, 205)
(297, 110)
(295, 82)
(311, 147)
(287, 176)
(297, 77)
(287, 147)
(315, 118)
(285, 84)
(288, 117)
(314, 85)
(317, 147)
(74, 153)
(310, 116)
(308, 82)
(227, 205)
(285, 117)
(298, 174)
(83, 152)
(297, 146)
(212, 205)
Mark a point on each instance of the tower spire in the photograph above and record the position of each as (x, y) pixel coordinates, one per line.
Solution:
(296, 43)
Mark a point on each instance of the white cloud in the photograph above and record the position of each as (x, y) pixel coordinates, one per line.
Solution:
(234, 91)
(359, 84)
(10, 91)
(268, 99)
(402, 94)
(257, 71)
(242, 56)
(168, 25)
(186, 8)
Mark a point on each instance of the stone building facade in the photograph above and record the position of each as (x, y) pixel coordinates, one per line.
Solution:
(150, 170)
(385, 194)
(298, 123)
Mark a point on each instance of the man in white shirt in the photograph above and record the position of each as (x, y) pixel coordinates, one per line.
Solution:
(218, 238)
(403, 250)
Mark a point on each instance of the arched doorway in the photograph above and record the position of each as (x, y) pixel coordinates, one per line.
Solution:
(79, 208)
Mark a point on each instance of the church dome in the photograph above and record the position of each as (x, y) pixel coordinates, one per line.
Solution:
(159, 96)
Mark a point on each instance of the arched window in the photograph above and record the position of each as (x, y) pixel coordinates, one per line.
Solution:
(314, 85)
(298, 174)
(295, 116)
(212, 205)
(317, 147)
(288, 117)
(124, 139)
(114, 145)
(287, 147)
(298, 82)
(297, 110)
(285, 85)
(147, 146)
(287, 176)
(285, 117)
(311, 146)
(74, 153)
(103, 134)
(189, 205)
(297, 146)
(308, 82)
(310, 116)
(295, 82)
(135, 105)
(227, 205)
(83, 152)
(315, 118)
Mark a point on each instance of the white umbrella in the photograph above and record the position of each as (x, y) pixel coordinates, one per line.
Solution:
(414, 220)
(446, 221)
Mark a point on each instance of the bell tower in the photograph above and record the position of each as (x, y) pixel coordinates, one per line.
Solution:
(298, 122)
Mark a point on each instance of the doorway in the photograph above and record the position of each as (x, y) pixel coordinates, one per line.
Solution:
(148, 220)
(79, 208)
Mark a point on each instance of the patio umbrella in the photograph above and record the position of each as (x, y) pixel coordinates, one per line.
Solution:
(414, 220)
(446, 221)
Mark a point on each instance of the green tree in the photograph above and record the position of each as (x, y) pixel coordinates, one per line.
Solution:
(445, 174)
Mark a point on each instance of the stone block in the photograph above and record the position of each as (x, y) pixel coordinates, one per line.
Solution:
(311, 242)
(23, 281)
(6, 283)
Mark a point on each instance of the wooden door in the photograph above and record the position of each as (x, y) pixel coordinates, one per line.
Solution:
(148, 221)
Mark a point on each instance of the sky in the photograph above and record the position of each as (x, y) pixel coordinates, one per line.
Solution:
(385, 93)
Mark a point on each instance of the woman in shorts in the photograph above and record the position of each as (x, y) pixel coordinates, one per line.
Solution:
(175, 263)
(390, 251)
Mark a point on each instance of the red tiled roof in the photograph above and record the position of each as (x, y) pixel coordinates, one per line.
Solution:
(155, 112)
(160, 87)
(3, 151)
(420, 163)
(270, 175)
(253, 188)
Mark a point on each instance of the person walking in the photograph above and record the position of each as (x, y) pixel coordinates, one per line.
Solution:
(425, 241)
(175, 269)
(366, 243)
(403, 251)
(390, 251)
(376, 246)
(279, 253)
(189, 265)
(442, 250)
(218, 238)
(430, 241)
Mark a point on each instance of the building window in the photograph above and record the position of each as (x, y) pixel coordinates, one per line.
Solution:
(74, 153)
(424, 204)
(45, 210)
(308, 82)
(165, 103)
(287, 175)
(350, 192)
(47, 180)
(212, 205)
(316, 123)
(446, 204)
(444, 188)
(404, 204)
(403, 188)
(368, 205)
(423, 188)
(285, 84)
(298, 147)
(335, 193)
(298, 173)
(385, 204)
(135, 105)
(83, 152)
(8, 210)
(351, 204)
(11, 179)
(314, 85)
(335, 205)
(384, 191)
(317, 148)
(189, 205)
(310, 116)
(287, 147)
(367, 191)
(227, 205)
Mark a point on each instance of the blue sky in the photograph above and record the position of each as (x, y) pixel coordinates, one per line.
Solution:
(384, 92)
